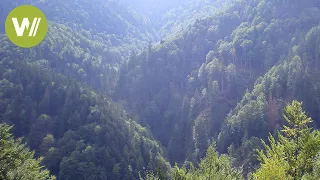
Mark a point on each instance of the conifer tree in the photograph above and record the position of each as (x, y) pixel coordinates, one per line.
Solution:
(16, 161)
(295, 152)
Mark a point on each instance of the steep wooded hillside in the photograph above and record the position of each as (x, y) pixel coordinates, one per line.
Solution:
(260, 110)
(87, 42)
(117, 90)
(54, 94)
(81, 134)
(184, 88)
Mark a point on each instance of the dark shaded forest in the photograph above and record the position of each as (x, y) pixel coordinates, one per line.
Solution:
(157, 90)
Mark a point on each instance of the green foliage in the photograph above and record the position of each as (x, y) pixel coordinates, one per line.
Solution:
(88, 43)
(208, 63)
(17, 161)
(82, 134)
(315, 174)
(187, 76)
(294, 78)
(273, 168)
(217, 167)
(295, 152)
(213, 166)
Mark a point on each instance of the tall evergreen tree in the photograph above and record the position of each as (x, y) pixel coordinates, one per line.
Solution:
(295, 152)
(17, 161)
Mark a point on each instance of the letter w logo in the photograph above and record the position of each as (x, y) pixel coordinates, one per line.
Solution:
(25, 25)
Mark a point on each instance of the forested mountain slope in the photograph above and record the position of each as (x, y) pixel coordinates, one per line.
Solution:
(81, 134)
(88, 41)
(183, 89)
(203, 73)
(176, 20)
(106, 21)
(53, 96)
(260, 110)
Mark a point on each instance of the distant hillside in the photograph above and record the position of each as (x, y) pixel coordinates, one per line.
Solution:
(119, 88)
(184, 88)
(260, 110)
(53, 96)
(81, 134)
(87, 41)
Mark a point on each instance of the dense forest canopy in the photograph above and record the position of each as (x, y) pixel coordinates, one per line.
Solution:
(183, 90)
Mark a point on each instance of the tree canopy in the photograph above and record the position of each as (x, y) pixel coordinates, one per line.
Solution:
(17, 161)
(182, 90)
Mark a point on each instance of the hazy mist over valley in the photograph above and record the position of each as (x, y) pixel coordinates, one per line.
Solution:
(162, 90)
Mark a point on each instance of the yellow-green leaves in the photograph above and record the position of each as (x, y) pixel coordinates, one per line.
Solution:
(273, 169)
(213, 166)
(295, 151)
(297, 121)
